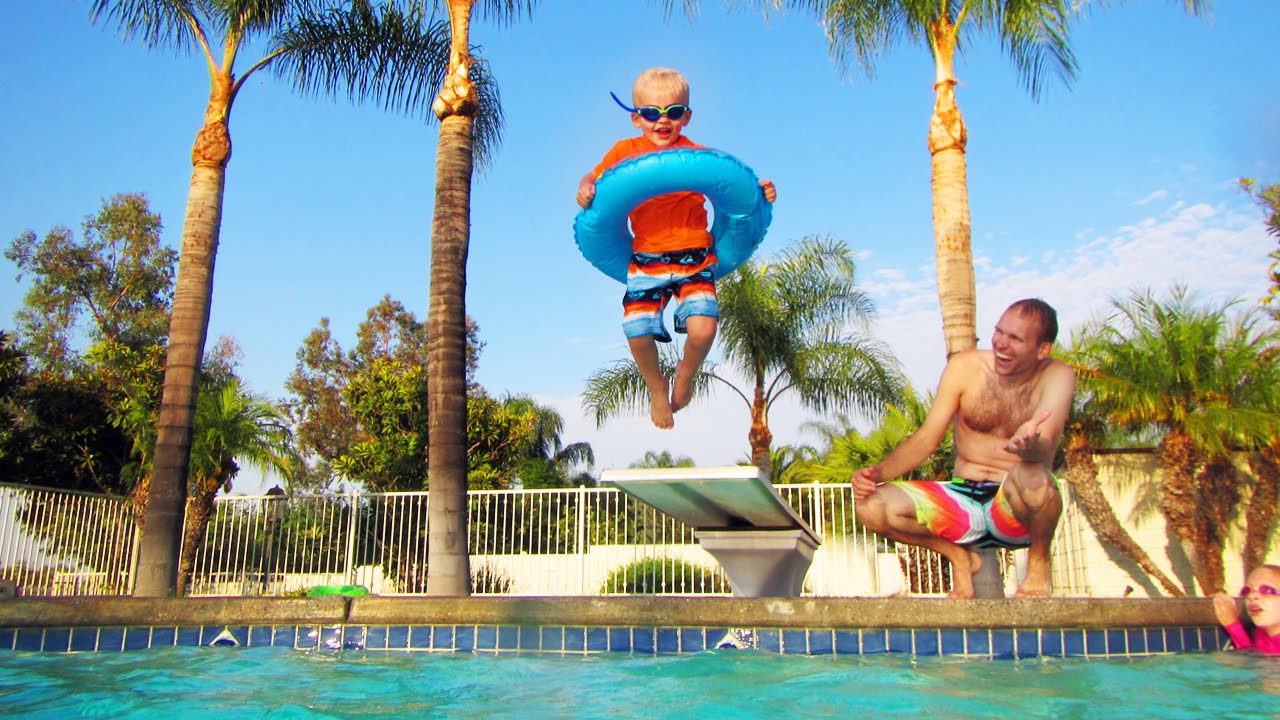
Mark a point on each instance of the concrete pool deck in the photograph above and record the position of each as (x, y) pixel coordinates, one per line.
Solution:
(642, 625)
(647, 611)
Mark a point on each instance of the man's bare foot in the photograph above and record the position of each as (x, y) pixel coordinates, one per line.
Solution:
(962, 577)
(682, 389)
(1035, 585)
(660, 409)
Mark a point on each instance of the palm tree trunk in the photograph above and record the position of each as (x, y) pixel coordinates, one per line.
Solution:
(951, 225)
(188, 329)
(760, 437)
(448, 565)
(1082, 473)
(1178, 460)
(199, 511)
(1217, 503)
(1260, 518)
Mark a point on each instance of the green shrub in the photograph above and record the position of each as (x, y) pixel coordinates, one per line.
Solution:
(660, 576)
(486, 579)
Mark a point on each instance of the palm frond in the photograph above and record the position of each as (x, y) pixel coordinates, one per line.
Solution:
(158, 23)
(397, 59)
(619, 389)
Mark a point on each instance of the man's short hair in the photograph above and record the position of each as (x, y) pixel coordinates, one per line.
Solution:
(1042, 312)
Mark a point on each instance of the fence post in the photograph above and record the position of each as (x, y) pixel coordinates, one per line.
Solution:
(581, 539)
(351, 536)
(818, 502)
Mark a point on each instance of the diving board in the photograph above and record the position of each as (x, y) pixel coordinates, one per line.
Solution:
(737, 516)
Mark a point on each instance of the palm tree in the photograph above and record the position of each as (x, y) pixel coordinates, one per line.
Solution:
(448, 567)
(1085, 430)
(785, 326)
(379, 53)
(1264, 504)
(1032, 32)
(1207, 383)
(232, 425)
(551, 463)
(663, 459)
(789, 463)
(846, 449)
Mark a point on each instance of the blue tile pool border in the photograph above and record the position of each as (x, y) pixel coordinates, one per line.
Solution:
(638, 640)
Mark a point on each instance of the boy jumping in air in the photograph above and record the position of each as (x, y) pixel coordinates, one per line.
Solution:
(672, 254)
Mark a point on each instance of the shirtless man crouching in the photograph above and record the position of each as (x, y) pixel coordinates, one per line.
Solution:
(1007, 407)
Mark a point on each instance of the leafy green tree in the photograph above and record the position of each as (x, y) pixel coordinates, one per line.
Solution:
(57, 432)
(791, 325)
(385, 53)
(93, 324)
(326, 426)
(1268, 198)
(1208, 383)
(387, 398)
(500, 436)
(118, 275)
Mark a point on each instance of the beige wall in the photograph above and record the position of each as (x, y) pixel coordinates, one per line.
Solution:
(1128, 478)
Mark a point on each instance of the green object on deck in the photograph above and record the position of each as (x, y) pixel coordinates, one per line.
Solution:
(344, 590)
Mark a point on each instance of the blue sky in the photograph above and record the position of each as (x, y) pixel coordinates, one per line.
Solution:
(1124, 179)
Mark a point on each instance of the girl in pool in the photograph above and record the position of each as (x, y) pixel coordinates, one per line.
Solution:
(1262, 601)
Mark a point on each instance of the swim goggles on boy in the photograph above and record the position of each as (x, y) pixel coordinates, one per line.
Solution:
(653, 112)
(1246, 591)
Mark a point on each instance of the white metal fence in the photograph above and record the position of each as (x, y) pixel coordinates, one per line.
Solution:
(584, 541)
(61, 542)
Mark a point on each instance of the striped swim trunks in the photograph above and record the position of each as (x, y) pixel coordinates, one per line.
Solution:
(654, 279)
(966, 512)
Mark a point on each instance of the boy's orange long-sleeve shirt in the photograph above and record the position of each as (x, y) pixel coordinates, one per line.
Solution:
(675, 221)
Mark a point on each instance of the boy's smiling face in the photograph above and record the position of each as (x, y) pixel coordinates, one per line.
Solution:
(664, 131)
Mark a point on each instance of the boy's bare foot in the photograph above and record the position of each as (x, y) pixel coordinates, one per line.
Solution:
(682, 391)
(660, 410)
(962, 577)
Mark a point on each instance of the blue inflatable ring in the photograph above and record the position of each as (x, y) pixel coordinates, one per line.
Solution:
(742, 215)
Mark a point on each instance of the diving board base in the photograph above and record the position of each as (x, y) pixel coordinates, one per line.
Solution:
(761, 563)
(737, 516)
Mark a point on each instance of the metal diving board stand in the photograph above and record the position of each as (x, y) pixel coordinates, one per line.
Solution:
(739, 518)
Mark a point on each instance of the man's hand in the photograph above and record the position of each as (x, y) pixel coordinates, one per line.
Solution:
(865, 482)
(1025, 442)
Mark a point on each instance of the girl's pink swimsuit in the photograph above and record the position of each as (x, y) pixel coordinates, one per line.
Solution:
(1260, 642)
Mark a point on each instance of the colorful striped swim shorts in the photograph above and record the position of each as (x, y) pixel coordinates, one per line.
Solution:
(966, 512)
(654, 279)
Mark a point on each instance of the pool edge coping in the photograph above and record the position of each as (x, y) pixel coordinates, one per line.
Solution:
(628, 611)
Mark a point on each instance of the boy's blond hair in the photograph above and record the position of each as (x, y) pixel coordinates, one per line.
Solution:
(661, 79)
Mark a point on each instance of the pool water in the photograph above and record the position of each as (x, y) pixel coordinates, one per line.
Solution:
(226, 683)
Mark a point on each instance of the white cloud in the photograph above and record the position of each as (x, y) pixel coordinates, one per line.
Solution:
(1152, 197)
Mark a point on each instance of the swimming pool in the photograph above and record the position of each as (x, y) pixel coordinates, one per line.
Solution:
(272, 682)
